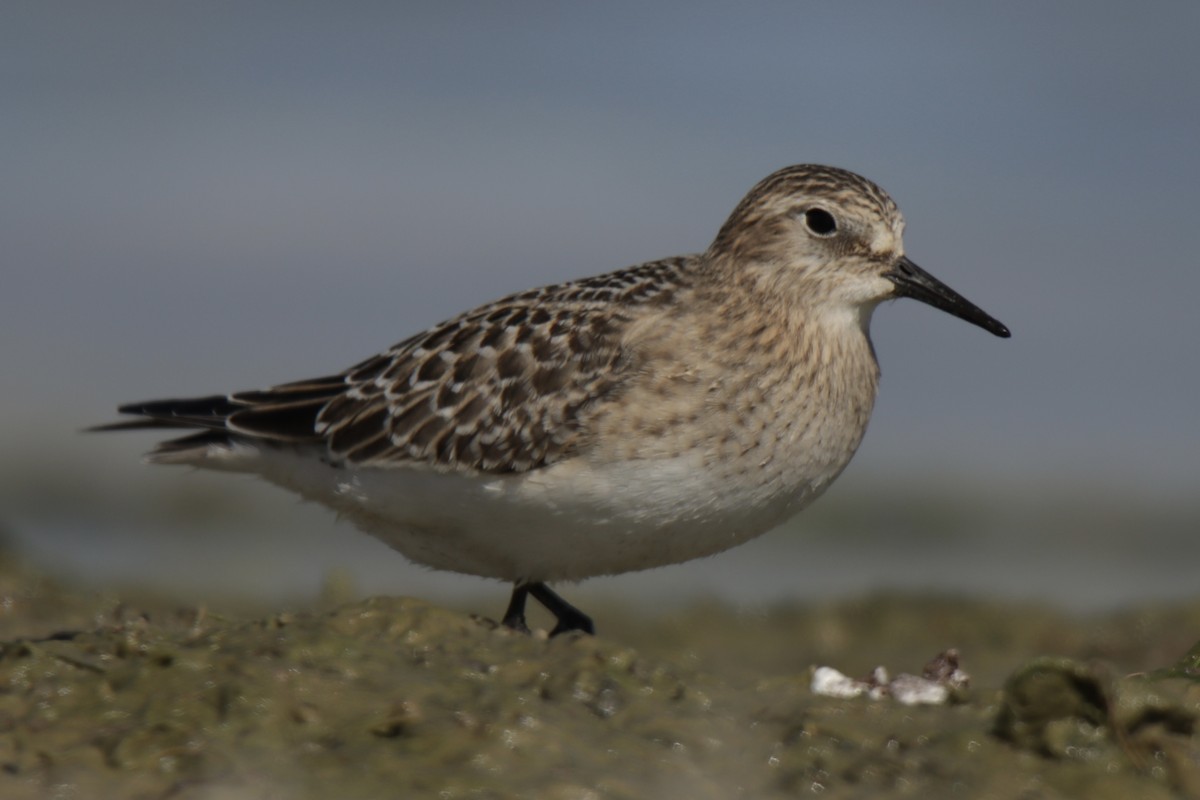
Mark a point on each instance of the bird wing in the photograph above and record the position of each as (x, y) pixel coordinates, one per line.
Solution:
(504, 388)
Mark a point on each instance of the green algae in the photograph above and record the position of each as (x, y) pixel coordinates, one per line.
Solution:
(392, 697)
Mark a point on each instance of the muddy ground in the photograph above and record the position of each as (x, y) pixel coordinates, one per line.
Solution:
(107, 696)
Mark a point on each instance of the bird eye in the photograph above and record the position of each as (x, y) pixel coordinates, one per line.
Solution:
(820, 222)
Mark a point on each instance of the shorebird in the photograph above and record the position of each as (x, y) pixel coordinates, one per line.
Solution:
(643, 417)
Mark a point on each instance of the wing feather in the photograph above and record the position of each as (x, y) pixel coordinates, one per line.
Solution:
(502, 389)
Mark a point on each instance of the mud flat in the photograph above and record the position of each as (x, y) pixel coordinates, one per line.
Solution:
(106, 697)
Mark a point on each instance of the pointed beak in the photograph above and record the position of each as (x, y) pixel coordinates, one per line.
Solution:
(912, 281)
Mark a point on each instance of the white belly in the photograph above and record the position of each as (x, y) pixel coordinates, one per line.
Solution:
(569, 521)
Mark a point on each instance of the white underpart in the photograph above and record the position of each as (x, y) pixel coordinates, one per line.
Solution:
(567, 522)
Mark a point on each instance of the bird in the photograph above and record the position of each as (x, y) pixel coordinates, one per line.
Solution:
(643, 417)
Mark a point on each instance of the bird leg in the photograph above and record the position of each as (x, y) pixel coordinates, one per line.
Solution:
(568, 617)
(514, 615)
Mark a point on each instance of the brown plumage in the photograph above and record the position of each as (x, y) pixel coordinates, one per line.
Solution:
(638, 418)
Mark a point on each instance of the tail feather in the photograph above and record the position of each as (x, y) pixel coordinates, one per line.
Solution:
(193, 449)
(192, 412)
(293, 422)
(285, 414)
(137, 425)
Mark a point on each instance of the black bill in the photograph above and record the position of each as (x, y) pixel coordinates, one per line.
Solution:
(912, 281)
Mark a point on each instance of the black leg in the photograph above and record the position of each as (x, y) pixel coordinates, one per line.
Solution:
(569, 617)
(514, 616)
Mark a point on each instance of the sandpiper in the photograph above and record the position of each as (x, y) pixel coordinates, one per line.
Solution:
(648, 416)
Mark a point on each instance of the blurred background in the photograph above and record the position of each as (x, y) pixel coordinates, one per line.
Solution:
(208, 197)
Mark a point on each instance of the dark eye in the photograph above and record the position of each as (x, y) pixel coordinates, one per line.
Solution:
(820, 222)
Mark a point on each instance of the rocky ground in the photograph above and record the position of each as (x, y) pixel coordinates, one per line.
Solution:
(135, 697)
